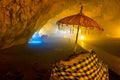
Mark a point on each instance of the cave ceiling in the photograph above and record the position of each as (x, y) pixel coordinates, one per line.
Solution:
(19, 19)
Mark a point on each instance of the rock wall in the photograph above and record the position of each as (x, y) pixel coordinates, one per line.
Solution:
(19, 19)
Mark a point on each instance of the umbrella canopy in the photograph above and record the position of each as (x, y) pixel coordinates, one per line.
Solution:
(81, 20)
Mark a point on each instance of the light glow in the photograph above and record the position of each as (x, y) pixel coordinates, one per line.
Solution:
(35, 38)
(82, 37)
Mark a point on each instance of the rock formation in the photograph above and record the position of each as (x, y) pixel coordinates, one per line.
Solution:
(19, 19)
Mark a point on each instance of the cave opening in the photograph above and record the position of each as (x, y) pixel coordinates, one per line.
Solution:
(36, 38)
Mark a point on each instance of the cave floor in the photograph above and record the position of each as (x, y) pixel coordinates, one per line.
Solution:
(34, 61)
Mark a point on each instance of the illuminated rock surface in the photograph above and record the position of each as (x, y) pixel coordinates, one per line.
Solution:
(20, 19)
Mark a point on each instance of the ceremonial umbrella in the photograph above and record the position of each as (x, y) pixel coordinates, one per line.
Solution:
(81, 20)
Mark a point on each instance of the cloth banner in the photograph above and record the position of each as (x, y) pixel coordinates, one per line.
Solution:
(89, 68)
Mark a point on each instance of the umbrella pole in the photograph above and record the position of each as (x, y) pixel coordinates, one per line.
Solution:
(75, 48)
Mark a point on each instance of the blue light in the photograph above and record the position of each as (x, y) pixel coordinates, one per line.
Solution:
(36, 39)
(34, 42)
